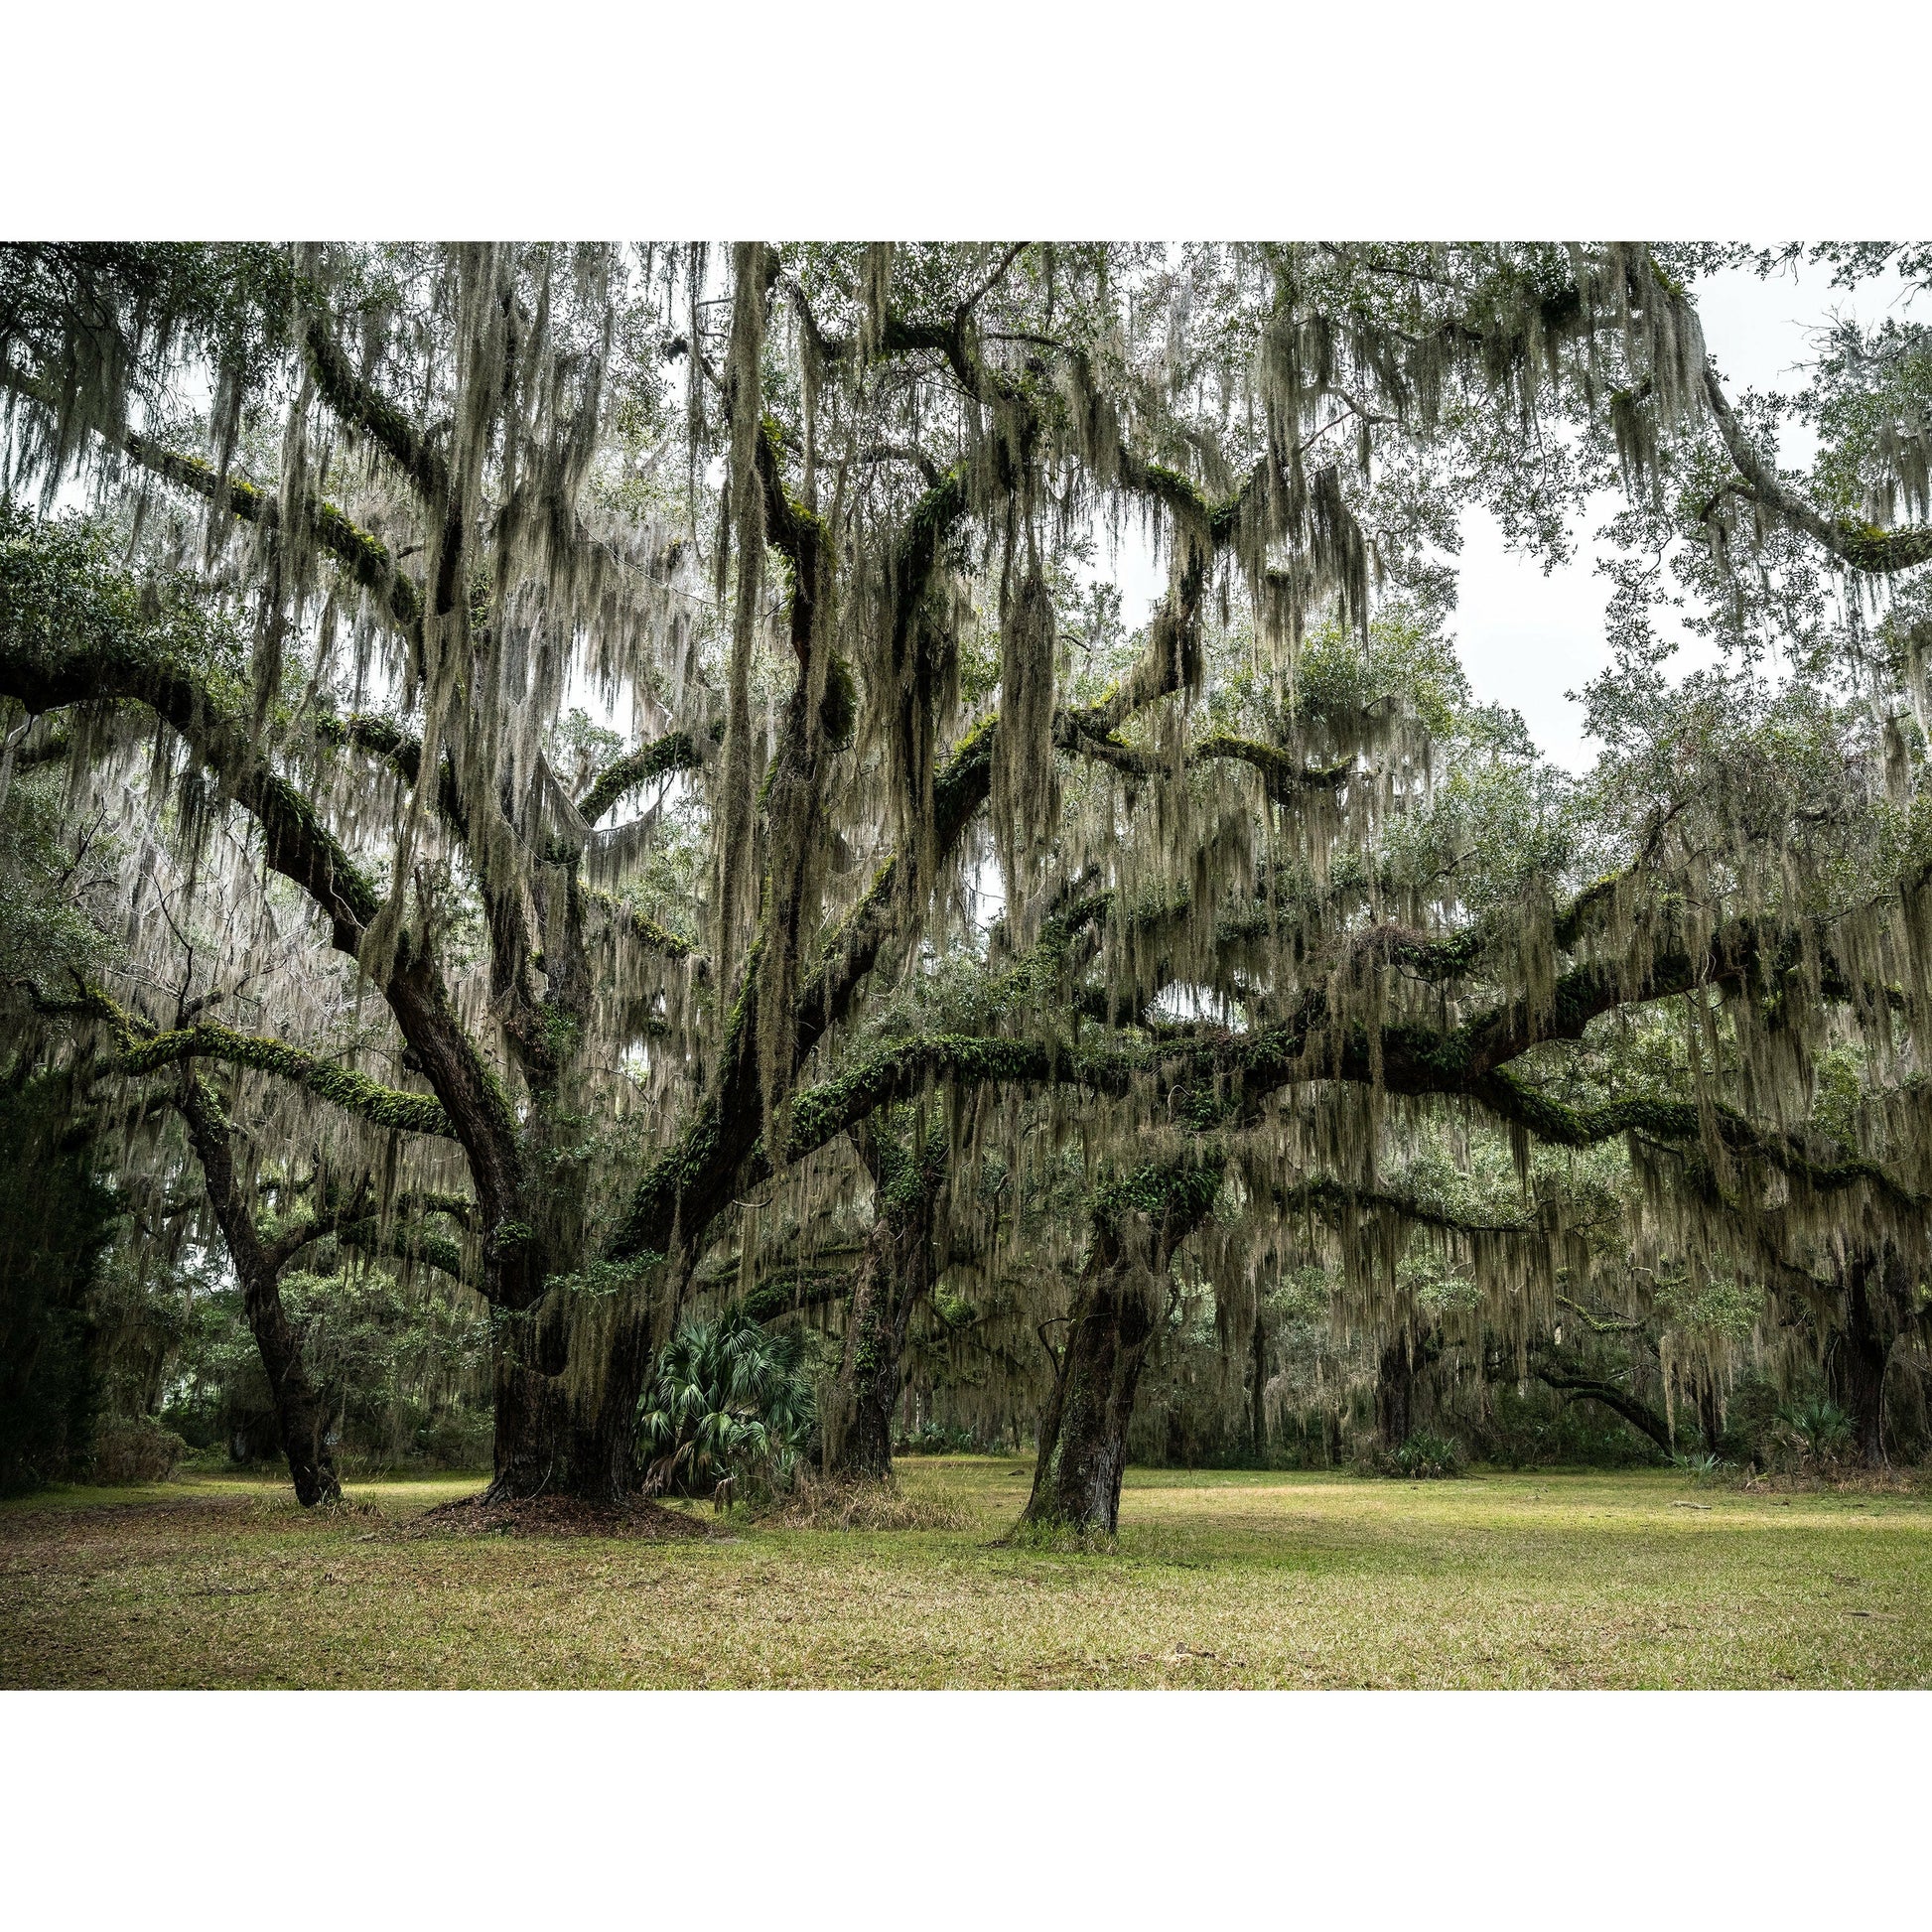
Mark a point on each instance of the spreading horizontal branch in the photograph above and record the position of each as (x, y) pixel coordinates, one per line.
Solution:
(355, 1093)
(1858, 547)
(674, 752)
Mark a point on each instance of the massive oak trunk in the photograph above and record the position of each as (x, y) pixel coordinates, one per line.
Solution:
(1139, 1222)
(567, 1378)
(1083, 1435)
(1398, 1390)
(1859, 1361)
(301, 1420)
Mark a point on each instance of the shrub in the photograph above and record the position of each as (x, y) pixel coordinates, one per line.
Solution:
(728, 1405)
(1426, 1456)
(940, 1439)
(136, 1451)
(816, 1503)
(1818, 1427)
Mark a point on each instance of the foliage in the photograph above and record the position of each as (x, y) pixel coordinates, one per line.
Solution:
(728, 1405)
(1821, 1429)
(402, 1369)
(933, 1438)
(1426, 1456)
(140, 1451)
(1257, 988)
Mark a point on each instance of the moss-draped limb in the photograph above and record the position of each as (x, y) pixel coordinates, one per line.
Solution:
(795, 533)
(1559, 1124)
(643, 928)
(417, 1246)
(355, 1093)
(385, 738)
(75, 631)
(365, 557)
(369, 413)
(1335, 1198)
(1857, 546)
(1584, 1388)
(821, 1113)
(674, 752)
(888, 912)
(1285, 777)
(71, 633)
(792, 1289)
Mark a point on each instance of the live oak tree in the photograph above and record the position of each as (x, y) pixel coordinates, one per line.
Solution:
(713, 1003)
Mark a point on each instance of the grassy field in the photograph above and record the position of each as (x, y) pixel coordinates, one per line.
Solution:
(1221, 1579)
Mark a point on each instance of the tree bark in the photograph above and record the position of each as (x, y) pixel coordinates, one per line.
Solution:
(1398, 1375)
(1860, 1357)
(897, 1270)
(568, 1376)
(891, 1281)
(301, 1419)
(1083, 1435)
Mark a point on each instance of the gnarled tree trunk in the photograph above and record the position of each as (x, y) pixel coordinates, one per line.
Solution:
(1399, 1374)
(897, 1270)
(301, 1420)
(892, 1280)
(568, 1376)
(1139, 1222)
(1863, 1351)
(1083, 1435)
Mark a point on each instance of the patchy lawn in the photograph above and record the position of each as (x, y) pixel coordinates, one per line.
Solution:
(1221, 1578)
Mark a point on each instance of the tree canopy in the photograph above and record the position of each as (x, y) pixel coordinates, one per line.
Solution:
(618, 776)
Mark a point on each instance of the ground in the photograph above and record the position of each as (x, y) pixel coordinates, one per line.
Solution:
(1219, 1579)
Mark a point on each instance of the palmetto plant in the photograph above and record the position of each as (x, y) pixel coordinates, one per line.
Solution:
(727, 1404)
(1822, 1428)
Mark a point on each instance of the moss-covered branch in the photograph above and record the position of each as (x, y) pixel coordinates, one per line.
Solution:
(355, 1093)
(75, 631)
(674, 752)
(369, 413)
(641, 928)
(365, 557)
(1856, 545)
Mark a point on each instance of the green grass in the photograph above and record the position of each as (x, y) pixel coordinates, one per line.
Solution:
(1221, 1578)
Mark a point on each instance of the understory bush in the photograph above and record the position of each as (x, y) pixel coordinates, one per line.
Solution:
(1426, 1456)
(940, 1439)
(1815, 1429)
(136, 1450)
(815, 1502)
(728, 1409)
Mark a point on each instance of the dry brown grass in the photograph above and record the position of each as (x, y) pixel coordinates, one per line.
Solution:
(815, 1504)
